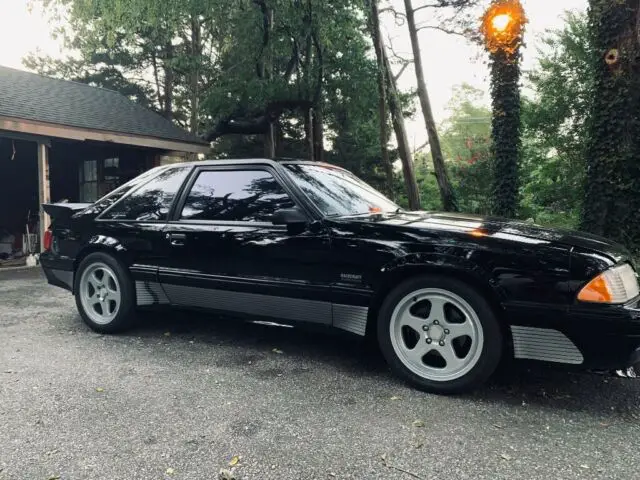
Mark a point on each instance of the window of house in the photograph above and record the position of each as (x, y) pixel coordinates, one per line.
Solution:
(88, 178)
(111, 163)
(110, 176)
(235, 195)
(152, 201)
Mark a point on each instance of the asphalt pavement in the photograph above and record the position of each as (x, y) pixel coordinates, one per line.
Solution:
(183, 396)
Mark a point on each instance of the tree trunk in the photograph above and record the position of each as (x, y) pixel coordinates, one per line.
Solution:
(270, 142)
(404, 150)
(159, 96)
(270, 137)
(374, 27)
(612, 196)
(318, 135)
(196, 53)
(505, 131)
(168, 81)
(444, 184)
(308, 128)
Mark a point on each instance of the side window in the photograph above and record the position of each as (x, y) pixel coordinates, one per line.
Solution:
(153, 200)
(235, 195)
(112, 197)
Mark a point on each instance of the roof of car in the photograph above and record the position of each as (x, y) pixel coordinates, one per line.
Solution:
(250, 161)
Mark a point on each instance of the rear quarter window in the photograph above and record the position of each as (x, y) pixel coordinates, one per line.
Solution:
(112, 197)
(153, 200)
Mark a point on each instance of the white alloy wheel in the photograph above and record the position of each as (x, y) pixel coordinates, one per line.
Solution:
(436, 334)
(100, 293)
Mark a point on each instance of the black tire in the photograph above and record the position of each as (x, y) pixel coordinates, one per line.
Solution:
(491, 351)
(126, 314)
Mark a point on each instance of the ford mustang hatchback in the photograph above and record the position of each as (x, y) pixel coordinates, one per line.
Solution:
(445, 295)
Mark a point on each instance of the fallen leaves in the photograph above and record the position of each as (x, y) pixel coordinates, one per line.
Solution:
(170, 471)
(418, 423)
(395, 398)
(99, 389)
(278, 351)
(506, 457)
(54, 477)
(229, 473)
(225, 474)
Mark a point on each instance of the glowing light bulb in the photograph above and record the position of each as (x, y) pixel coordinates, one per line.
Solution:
(501, 22)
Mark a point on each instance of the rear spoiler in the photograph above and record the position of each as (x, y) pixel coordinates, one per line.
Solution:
(64, 211)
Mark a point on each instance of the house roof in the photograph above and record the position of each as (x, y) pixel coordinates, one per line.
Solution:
(30, 96)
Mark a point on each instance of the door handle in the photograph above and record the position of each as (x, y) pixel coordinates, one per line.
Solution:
(176, 239)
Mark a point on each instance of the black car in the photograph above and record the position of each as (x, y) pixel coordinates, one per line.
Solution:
(446, 295)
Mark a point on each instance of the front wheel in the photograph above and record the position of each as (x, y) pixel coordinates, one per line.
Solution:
(439, 334)
(104, 293)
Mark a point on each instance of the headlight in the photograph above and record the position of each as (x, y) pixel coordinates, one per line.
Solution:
(616, 285)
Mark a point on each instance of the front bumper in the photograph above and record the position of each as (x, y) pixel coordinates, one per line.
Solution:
(586, 335)
(58, 270)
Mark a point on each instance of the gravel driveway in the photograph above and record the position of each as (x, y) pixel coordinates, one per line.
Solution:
(181, 395)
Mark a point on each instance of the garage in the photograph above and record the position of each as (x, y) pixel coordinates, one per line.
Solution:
(68, 141)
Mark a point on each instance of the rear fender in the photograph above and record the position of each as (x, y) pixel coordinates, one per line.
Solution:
(104, 243)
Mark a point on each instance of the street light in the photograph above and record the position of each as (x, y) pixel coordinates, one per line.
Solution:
(501, 22)
(502, 29)
(503, 26)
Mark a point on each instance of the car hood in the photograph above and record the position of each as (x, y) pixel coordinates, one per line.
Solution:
(498, 228)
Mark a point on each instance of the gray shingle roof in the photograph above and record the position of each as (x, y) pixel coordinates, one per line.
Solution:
(34, 97)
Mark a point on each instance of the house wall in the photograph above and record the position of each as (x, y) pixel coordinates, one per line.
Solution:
(18, 184)
(19, 176)
(68, 171)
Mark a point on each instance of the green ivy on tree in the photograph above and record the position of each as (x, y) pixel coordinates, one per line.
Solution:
(503, 27)
(505, 131)
(611, 205)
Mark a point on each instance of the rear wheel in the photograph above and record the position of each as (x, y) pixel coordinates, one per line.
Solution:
(104, 293)
(439, 334)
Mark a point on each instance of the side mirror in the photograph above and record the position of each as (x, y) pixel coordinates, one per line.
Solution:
(289, 216)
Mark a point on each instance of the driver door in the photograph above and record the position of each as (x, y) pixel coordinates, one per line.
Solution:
(225, 253)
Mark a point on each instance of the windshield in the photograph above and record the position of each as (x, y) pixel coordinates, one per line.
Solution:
(337, 192)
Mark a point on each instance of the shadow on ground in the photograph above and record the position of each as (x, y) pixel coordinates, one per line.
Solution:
(514, 384)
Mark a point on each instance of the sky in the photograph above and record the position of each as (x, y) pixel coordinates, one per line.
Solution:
(23, 31)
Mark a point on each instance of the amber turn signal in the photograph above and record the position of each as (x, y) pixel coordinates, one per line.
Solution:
(596, 290)
(616, 285)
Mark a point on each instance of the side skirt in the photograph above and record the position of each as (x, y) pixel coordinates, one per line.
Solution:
(350, 318)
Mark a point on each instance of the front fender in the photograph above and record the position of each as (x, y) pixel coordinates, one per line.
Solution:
(438, 263)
